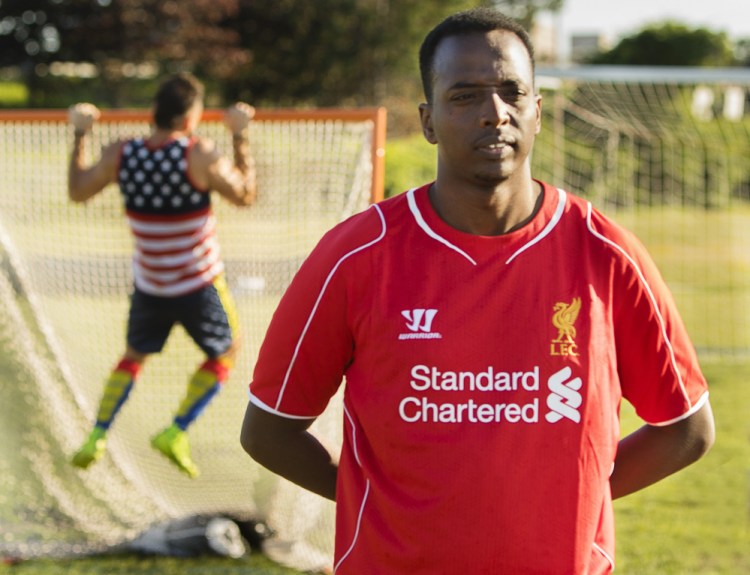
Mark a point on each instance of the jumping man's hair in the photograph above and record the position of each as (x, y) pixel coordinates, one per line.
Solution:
(176, 96)
(477, 20)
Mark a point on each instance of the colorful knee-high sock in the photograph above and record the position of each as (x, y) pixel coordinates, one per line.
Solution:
(203, 385)
(116, 391)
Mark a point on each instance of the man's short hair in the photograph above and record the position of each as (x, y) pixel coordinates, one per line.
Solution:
(477, 20)
(175, 97)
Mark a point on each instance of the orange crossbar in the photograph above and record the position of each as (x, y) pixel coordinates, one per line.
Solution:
(377, 115)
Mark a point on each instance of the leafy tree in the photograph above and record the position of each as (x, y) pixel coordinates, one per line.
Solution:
(670, 44)
(118, 35)
(742, 51)
(332, 51)
(270, 52)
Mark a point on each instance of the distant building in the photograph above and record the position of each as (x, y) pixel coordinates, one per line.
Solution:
(544, 37)
(583, 46)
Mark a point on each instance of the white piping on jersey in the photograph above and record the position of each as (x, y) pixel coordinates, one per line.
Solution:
(265, 407)
(356, 531)
(606, 555)
(354, 436)
(320, 297)
(652, 299)
(428, 230)
(702, 400)
(364, 497)
(561, 199)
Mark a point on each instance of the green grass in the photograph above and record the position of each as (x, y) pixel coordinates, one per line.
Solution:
(697, 521)
(13, 94)
(704, 258)
(409, 162)
(145, 565)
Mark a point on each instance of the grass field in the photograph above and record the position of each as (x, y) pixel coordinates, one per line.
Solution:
(697, 522)
(694, 523)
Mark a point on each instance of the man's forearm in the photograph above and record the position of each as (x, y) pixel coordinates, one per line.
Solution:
(289, 450)
(245, 163)
(650, 453)
(305, 462)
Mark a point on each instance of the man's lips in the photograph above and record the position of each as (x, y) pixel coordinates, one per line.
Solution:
(494, 143)
(494, 147)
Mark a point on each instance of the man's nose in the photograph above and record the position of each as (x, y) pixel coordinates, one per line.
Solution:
(496, 111)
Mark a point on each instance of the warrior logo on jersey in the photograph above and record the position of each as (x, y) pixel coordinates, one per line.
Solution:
(419, 323)
(564, 318)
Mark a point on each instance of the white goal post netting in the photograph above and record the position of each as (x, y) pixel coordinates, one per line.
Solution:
(665, 151)
(64, 284)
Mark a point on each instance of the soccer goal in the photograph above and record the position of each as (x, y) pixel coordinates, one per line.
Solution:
(64, 285)
(665, 151)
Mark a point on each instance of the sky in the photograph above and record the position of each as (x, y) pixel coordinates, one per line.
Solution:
(617, 18)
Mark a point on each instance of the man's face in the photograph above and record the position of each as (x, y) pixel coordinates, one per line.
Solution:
(484, 114)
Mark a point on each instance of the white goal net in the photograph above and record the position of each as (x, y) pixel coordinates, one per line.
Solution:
(665, 152)
(64, 284)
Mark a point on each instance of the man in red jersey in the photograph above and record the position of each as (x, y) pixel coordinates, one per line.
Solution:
(166, 179)
(488, 326)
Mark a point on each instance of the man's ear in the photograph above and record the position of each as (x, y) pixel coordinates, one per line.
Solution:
(185, 122)
(425, 117)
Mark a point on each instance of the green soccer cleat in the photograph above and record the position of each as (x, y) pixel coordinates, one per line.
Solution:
(92, 450)
(173, 443)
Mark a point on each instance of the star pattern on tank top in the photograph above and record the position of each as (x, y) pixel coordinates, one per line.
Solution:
(155, 181)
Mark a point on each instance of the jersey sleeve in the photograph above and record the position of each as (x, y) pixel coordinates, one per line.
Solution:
(657, 363)
(309, 343)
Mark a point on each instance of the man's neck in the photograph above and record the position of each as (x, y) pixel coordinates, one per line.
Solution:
(159, 136)
(490, 211)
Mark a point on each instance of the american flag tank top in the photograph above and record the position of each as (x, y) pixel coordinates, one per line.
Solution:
(176, 249)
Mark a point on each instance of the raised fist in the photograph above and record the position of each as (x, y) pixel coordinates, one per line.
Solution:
(82, 116)
(238, 116)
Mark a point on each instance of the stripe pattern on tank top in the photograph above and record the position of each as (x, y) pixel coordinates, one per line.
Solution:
(176, 249)
(175, 256)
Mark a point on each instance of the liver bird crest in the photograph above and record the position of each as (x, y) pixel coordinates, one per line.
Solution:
(563, 319)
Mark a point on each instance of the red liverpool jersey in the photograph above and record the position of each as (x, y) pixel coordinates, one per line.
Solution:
(483, 382)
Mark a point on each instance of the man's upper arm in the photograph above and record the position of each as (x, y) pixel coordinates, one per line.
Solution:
(652, 453)
(262, 429)
(221, 175)
(84, 183)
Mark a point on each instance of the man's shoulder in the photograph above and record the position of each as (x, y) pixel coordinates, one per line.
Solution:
(589, 218)
(605, 227)
(362, 230)
(201, 145)
(587, 210)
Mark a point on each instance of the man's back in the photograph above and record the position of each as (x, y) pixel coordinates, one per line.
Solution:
(174, 229)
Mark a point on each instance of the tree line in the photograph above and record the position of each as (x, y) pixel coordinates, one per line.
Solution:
(284, 52)
(274, 52)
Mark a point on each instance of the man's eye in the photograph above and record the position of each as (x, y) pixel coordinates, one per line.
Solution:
(463, 96)
(512, 95)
